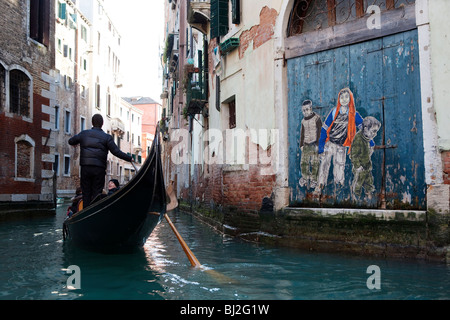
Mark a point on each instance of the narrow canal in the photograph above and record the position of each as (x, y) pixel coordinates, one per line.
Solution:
(34, 259)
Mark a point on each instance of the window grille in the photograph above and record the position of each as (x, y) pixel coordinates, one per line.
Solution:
(311, 15)
(19, 92)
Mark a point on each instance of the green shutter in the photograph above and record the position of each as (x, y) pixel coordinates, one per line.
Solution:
(62, 11)
(219, 18)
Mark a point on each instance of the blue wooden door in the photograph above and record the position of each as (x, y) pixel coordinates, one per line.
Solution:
(384, 167)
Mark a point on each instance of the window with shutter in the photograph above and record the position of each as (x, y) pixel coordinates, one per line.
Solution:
(62, 10)
(219, 18)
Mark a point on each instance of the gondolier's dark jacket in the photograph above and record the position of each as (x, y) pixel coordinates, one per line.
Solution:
(95, 144)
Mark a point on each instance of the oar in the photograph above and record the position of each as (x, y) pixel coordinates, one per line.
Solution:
(190, 255)
(169, 207)
(192, 259)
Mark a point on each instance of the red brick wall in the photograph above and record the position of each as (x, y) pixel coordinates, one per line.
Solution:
(259, 34)
(245, 190)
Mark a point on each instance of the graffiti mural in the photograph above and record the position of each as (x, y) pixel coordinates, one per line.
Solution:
(361, 152)
(336, 138)
(365, 99)
(309, 144)
(344, 132)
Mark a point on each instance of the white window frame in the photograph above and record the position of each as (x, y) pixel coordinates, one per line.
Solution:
(66, 156)
(67, 126)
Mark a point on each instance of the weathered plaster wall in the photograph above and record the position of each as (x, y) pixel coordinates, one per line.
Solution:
(440, 67)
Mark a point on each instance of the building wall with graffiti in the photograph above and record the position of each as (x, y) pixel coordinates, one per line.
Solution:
(366, 95)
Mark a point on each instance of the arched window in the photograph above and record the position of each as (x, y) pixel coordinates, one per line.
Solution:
(24, 158)
(310, 15)
(19, 93)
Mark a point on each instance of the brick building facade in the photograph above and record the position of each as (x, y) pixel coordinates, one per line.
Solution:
(27, 100)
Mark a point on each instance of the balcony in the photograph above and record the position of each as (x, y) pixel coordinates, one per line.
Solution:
(198, 14)
(117, 126)
(171, 51)
(196, 92)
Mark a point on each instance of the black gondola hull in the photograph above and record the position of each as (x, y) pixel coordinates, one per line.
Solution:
(123, 221)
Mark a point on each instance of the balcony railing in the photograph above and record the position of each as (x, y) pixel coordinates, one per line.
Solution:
(196, 91)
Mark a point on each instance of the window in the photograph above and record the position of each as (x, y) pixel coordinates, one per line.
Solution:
(84, 33)
(232, 114)
(19, 93)
(310, 15)
(98, 43)
(68, 82)
(108, 103)
(219, 18)
(2, 87)
(56, 164)
(24, 165)
(97, 94)
(40, 21)
(236, 11)
(66, 165)
(82, 123)
(67, 121)
(62, 10)
(56, 117)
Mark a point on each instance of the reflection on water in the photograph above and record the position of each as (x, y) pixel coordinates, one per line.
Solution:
(34, 259)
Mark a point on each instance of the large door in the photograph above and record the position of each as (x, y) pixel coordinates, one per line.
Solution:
(384, 171)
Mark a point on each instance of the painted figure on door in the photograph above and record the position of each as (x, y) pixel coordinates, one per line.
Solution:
(309, 143)
(336, 137)
(360, 155)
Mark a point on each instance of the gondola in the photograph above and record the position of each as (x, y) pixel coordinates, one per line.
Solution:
(123, 221)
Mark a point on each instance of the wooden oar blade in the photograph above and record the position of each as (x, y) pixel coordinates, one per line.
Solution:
(172, 197)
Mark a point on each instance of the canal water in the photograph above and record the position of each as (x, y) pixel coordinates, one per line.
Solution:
(34, 261)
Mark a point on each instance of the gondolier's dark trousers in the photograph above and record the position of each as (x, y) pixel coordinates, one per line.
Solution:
(92, 182)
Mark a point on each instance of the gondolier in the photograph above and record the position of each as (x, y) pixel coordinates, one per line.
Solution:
(122, 221)
(95, 144)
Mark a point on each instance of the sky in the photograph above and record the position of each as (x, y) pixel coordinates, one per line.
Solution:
(140, 24)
